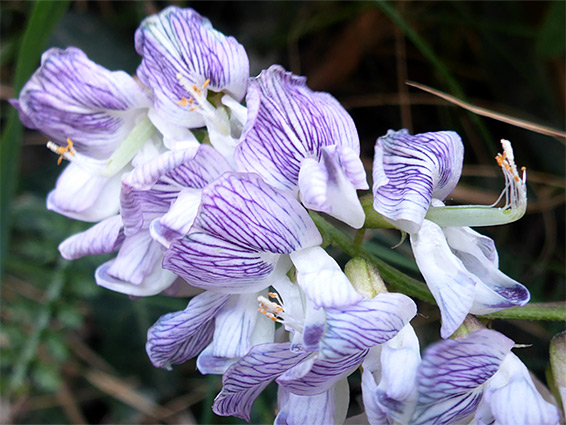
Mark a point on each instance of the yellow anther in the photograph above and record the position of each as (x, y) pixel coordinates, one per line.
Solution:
(62, 150)
(206, 83)
(193, 108)
(184, 101)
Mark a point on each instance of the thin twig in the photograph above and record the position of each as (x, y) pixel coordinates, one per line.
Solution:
(528, 125)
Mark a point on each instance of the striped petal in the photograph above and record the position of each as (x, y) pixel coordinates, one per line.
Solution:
(70, 96)
(181, 42)
(242, 228)
(149, 190)
(288, 122)
(408, 171)
(179, 336)
(452, 374)
(102, 238)
(365, 325)
(313, 409)
(246, 379)
(137, 268)
(322, 375)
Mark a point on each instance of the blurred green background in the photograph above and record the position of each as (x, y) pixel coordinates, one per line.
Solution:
(74, 353)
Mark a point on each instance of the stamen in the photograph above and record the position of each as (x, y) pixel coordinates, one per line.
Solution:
(63, 151)
(183, 101)
(514, 194)
(515, 187)
(276, 312)
(197, 96)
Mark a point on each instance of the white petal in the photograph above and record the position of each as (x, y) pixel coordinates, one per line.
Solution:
(514, 399)
(451, 284)
(82, 196)
(322, 280)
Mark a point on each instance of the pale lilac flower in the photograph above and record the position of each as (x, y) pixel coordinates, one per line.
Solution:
(327, 346)
(198, 77)
(477, 377)
(243, 237)
(389, 379)
(304, 142)
(224, 326)
(95, 119)
(150, 193)
(412, 174)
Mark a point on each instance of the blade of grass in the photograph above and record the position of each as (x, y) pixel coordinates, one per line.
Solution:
(528, 125)
(43, 19)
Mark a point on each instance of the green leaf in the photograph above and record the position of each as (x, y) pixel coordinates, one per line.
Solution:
(42, 21)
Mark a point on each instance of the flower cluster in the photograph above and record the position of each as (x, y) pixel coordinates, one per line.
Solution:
(200, 176)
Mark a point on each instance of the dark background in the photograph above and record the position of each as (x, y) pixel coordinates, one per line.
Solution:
(74, 353)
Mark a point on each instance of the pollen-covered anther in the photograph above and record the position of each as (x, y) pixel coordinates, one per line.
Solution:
(63, 151)
(514, 193)
(183, 102)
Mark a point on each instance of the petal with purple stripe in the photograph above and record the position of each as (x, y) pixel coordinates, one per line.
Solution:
(157, 281)
(181, 42)
(246, 379)
(149, 189)
(322, 375)
(242, 209)
(235, 323)
(70, 96)
(102, 238)
(177, 222)
(366, 324)
(212, 263)
(179, 336)
(408, 171)
(288, 122)
(452, 375)
(313, 410)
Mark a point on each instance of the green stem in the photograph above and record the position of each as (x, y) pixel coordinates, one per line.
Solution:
(374, 220)
(396, 279)
(533, 311)
(399, 281)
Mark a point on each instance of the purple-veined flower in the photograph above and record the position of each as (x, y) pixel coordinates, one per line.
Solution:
(96, 119)
(157, 191)
(198, 77)
(243, 237)
(304, 142)
(478, 378)
(224, 326)
(412, 175)
(326, 346)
